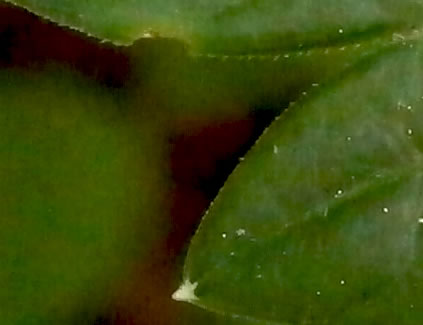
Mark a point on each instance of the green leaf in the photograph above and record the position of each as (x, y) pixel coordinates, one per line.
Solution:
(323, 222)
(78, 194)
(218, 86)
(228, 26)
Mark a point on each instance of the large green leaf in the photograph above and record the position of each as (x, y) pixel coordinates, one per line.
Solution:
(78, 191)
(233, 25)
(322, 224)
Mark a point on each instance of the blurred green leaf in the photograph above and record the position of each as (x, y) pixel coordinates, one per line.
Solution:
(323, 222)
(233, 26)
(79, 194)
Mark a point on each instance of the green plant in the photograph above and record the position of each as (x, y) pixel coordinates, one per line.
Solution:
(320, 224)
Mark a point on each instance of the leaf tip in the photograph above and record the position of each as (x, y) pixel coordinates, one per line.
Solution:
(186, 292)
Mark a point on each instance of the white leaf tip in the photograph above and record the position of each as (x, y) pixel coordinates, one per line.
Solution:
(186, 292)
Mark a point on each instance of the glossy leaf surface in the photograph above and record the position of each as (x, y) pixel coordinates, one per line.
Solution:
(228, 26)
(322, 223)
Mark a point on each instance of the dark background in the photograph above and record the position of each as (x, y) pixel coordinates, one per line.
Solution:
(203, 147)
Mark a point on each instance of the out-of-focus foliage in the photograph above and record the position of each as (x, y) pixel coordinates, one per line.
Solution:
(78, 196)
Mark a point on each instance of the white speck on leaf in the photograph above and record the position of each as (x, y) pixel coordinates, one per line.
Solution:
(240, 232)
(338, 193)
(400, 105)
(397, 37)
(147, 34)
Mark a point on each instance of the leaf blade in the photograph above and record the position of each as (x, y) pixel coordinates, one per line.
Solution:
(224, 26)
(327, 227)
